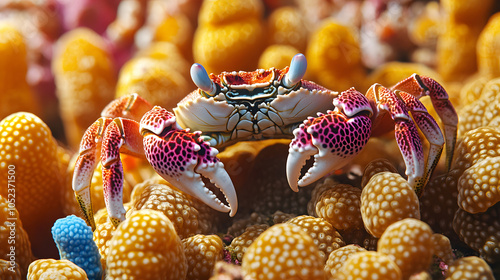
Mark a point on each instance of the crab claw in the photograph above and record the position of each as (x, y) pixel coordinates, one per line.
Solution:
(182, 158)
(334, 139)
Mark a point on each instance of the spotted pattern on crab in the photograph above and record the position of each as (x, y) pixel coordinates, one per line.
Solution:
(157, 120)
(353, 102)
(343, 136)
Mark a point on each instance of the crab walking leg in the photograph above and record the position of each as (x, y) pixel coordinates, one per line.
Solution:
(333, 138)
(121, 136)
(431, 131)
(406, 132)
(419, 86)
(85, 165)
(182, 157)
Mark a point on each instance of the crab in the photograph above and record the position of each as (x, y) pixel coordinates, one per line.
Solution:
(262, 104)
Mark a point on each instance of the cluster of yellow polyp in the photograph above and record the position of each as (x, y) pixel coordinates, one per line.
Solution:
(362, 222)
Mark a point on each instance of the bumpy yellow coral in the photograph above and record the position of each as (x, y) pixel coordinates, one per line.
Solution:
(15, 93)
(240, 243)
(202, 252)
(409, 243)
(340, 206)
(374, 167)
(85, 79)
(334, 56)
(230, 35)
(15, 244)
(442, 247)
(469, 268)
(29, 153)
(387, 198)
(159, 74)
(338, 257)
(324, 235)
(9, 271)
(286, 27)
(283, 251)
(55, 269)
(178, 30)
(146, 246)
(487, 48)
(369, 265)
(277, 56)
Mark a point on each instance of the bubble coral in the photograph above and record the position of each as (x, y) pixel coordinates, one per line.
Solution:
(387, 198)
(233, 28)
(476, 145)
(340, 206)
(28, 150)
(442, 248)
(55, 269)
(102, 236)
(481, 232)
(285, 26)
(240, 243)
(146, 246)
(15, 93)
(85, 78)
(202, 252)
(178, 30)
(409, 243)
(369, 265)
(180, 208)
(324, 235)
(376, 166)
(15, 245)
(469, 268)
(318, 189)
(277, 56)
(338, 257)
(283, 251)
(74, 240)
(7, 272)
(334, 56)
(487, 47)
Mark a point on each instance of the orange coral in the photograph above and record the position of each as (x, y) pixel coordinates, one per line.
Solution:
(387, 198)
(30, 153)
(240, 244)
(178, 30)
(369, 265)
(409, 243)
(338, 257)
(55, 269)
(281, 252)
(277, 56)
(469, 268)
(15, 93)
(286, 27)
(146, 246)
(487, 47)
(236, 33)
(340, 206)
(374, 167)
(8, 272)
(85, 79)
(202, 252)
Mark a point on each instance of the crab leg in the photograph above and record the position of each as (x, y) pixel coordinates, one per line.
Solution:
(333, 138)
(121, 136)
(419, 86)
(182, 158)
(85, 165)
(405, 130)
(431, 131)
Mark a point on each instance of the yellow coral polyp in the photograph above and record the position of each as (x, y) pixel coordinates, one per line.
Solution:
(55, 269)
(488, 46)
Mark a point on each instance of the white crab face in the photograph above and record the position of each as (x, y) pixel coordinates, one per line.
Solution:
(251, 105)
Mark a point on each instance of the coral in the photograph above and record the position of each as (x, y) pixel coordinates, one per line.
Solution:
(102, 236)
(334, 56)
(469, 268)
(338, 257)
(277, 56)
(30, 153)
(177, 206)
(85, 78)
(442, 247)
(319, 188)
(9, 272)
(487, 48)
(146, 246)
(202, 252)
(324, 235)
(15, 246)
(369, 265)
(479, 186)
(159, 74)
(409, 243)
(178, 30)
(374, 167)
(340, 206)
(238, 227)
(240, 243)
(74, 240)
(283, 251)
(227, 271)
(55, 269)
(476, 145)
(387, 198)
(232, 28)
(15, 93)
(481, 232)
(285, 26)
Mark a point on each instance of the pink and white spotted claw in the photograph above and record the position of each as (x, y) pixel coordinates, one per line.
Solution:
(333, 138)
(182, 158)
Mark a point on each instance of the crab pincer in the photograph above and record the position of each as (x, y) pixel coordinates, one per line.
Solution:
(182, 157)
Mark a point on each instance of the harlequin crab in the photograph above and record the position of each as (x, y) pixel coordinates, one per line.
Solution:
(272, 103)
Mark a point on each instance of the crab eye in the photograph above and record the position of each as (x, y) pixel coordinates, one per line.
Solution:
(202, 80)
(298, 68)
